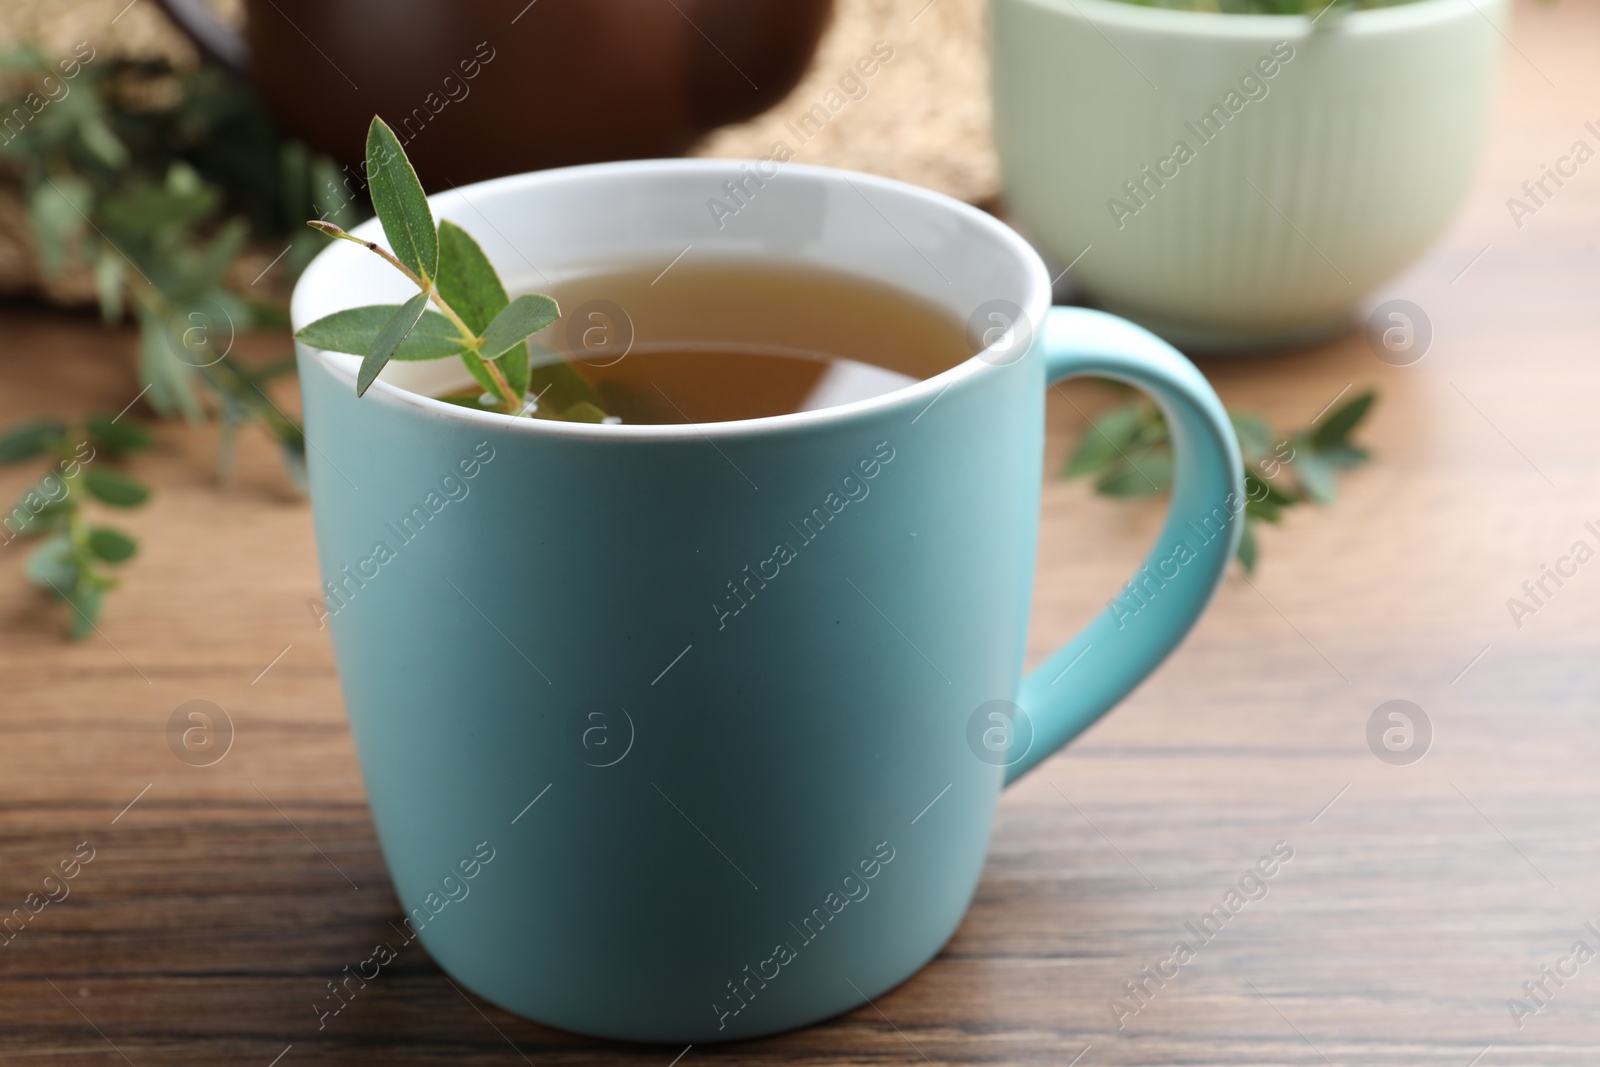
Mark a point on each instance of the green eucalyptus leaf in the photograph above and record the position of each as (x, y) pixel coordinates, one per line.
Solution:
(1267, 489)
(279, 367)
(108, 284)
(1247, 545)
(355, 330)
(557, 383)
(1264, 499)
(102, 143)
(481, 375)
(293, 450)
(86, 601)
(161, 369)
(1255, 436)
(215, 258)
(31, 439)
(322, 193)
(583, 411)
(513, 363)
(1145, 474)
(516, 322)
(24, 521)
(1335, 430)
(1106, 440)
(1154, 432)
(111, 435)
(1318, 479)
(59, 209)
(504, 338)
(467, 280)
(22, 58)
(50, 493)
(1118, 388)
(1345, 457)
(140, 209)
(390, 338)
(401, 205)
(183, 181)
(329, 196)
(111, 545)
(1265, 510)
(115, 488)
(201, 329)
(51, 565)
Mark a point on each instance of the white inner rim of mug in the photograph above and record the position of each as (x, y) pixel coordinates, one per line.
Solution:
(912, 239)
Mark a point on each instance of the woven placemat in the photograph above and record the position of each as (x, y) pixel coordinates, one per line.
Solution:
(112, 27)
(924, 115)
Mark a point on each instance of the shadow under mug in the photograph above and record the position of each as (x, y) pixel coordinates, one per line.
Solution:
(696, 732)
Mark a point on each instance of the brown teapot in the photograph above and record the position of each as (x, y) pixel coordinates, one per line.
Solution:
(480, 88)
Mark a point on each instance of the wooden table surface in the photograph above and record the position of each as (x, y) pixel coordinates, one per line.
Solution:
(1418, 900)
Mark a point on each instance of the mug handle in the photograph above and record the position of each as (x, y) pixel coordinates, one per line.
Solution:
(1102, 664)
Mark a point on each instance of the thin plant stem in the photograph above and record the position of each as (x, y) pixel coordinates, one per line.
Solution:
(223, 375)
(513, 404)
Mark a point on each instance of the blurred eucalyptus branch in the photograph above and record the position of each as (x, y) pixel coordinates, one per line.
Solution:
(69, 563)
(155, 180)
(1128, 449)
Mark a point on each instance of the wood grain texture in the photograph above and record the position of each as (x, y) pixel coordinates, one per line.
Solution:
(1418, 900)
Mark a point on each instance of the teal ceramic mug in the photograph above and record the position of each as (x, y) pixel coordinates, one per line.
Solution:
(691, 733)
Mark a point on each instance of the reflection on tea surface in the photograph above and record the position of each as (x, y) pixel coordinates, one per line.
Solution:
(724, 340)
